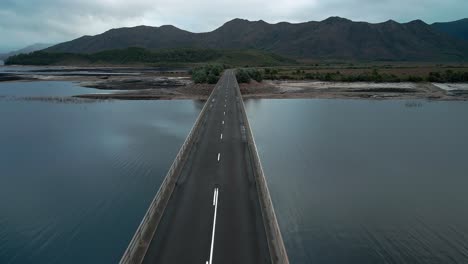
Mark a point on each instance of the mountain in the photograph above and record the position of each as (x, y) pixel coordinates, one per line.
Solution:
(25, 50)
(121, 38)
(333, 38)
(457, 29)
(141, 56)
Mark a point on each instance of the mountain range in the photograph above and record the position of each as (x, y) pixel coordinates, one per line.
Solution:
(457, 29)
(333, 38)
(28, 49)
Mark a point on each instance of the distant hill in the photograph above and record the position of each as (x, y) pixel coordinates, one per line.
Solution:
(25, 50)
(164, 37)
(457, 29)
(333, 38)
(147, 57)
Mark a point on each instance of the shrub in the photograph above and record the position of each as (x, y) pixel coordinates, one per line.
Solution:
(412, 78)
(255, 74)
(245, 75)
(242, 76)
(199, 76)
(207, 74)
(212, 78)
(434, 77)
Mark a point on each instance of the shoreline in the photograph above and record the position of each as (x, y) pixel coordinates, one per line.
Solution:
(420, 91)
(176, 84)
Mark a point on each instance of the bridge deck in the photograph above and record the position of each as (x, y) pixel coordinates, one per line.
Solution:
(220, 159)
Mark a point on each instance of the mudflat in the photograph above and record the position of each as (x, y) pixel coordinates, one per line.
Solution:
(168, 84)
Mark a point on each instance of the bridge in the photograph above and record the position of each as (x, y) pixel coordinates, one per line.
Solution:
(213, 205)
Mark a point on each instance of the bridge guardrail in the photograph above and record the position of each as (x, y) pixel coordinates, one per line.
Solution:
(141, 240)
(275, 239)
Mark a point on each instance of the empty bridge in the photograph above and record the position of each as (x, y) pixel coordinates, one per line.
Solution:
(214, 205)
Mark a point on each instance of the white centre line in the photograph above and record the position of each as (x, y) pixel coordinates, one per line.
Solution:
(224, 113)
(219, 156)
(223, 122)
(215, 204)
(214, 197)
(221, 137)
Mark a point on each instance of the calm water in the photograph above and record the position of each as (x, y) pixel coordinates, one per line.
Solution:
(76, 179)
(45, 89)
(357, 181)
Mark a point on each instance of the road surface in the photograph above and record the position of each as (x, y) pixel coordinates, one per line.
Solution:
(213, 215)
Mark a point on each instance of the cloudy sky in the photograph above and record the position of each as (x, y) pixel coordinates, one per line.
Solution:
(24, 22)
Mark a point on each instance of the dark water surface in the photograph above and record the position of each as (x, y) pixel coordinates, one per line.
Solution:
(356, 181)
(46, 89)
(76, 179)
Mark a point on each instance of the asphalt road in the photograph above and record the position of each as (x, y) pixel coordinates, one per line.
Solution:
(213, 215)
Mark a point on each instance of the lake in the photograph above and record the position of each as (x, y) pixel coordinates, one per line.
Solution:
(353, 181)
(358, 181)
(46, 89)
(76, 179)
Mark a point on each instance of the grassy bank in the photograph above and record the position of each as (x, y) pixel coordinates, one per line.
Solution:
(365, 73)
(132, 56)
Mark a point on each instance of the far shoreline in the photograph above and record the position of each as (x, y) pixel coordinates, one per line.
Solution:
(148, 83)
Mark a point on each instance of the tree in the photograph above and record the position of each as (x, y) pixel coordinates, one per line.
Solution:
(199, 76)
(242, 76)
(256, 75)
(212, 78)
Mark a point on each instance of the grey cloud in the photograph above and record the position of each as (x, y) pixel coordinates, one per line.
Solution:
(23, 22)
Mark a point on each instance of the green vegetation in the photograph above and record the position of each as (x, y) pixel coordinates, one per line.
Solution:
(448, 76)
(373, 76)
(246, 75)
(249, 59)
(369, 75)
(147, 57)
(207, 74)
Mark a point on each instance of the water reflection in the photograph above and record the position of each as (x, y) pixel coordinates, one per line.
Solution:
(76, 179)
(357, 181)
(198, 104)
(45, 89)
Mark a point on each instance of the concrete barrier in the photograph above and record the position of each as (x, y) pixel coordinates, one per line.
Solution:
(275, 240)
(140, 242)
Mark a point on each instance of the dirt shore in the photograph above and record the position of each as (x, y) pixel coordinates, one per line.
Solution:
(365, 90)
(167, 84)
(183, 88)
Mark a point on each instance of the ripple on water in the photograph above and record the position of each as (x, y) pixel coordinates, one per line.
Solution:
(77, 179)
(358, 181)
